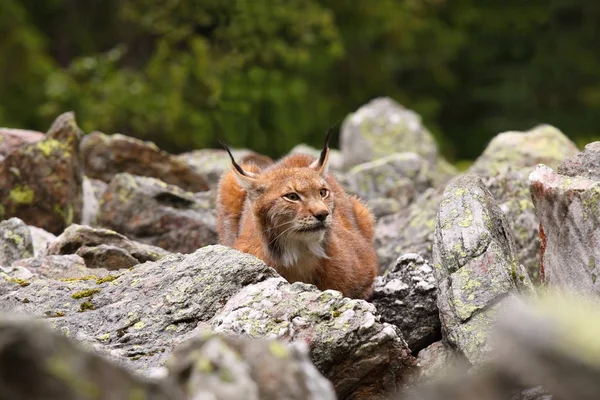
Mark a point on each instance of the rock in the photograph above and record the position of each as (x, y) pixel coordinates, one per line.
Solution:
(382, 207)
(568, 209)
(90, 201)
(211, 163)
(41, 182)
(363, 357)
(11, 139)
(438, 361)
(65, 267)
(40, 239)
(408, 231)
(475, 266)
(406, 297)
(516, 150)
(225, 367)
(397, 176)
(336, 161)
(149, 211)
(105, 156)
(15, 241)
(103, 248)
(50, 366)
(585, 164)
(137, 317)
(383, 127)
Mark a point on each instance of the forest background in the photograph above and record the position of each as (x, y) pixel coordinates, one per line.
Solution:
(269, 74)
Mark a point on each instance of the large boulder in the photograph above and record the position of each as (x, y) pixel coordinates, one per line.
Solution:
(150, 211)
(15, 241)
(569, 212)
(105, 156)
(67, 267)
(223, 367)
(475, 264)
(103, 248)
(406, 297)
(11, 139)
(585, 164)
(42, 181)
(363, 357)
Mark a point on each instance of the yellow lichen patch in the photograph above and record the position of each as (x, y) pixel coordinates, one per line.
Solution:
(49, 145)
(278, 350)
(85, 293)
(22, 194)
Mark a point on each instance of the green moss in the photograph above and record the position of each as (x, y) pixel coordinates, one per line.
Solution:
(67, 214)
(49, 145)
(26, 300)
(108, 278)
(139, 325)
(592, 263)
(105, 337)
(203, 364)
(278, 350)
(86, 305)
(85, 293)
(467, 220)
(22, 194)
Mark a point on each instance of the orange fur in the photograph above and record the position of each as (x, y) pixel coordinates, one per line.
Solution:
(255, 216)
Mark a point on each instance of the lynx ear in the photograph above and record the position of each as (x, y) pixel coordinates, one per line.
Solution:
(246, 179)
(321, 165)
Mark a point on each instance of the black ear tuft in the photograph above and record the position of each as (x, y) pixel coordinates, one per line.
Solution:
(325, 146)
(235, 164)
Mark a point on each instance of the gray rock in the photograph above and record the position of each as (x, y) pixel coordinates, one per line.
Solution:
(42, 181)
(475, 266)
(226, 367)
(11, 139)
(91, 204)
(107, 155)
(212, 163)
(398, 176)
(52, 367)
(408, 231)
(65, 267)
(137, 317)
(406, 297)
(383, 127)
(439, 361)
(585, 164)
(569, 212)
(40, 238)
(383, 207)
(150, 211)
(15, 241)
(363, 357)
(103, 248)
(516, 150)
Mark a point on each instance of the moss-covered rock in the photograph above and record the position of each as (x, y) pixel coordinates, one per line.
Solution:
(475, 264)
(103, 248)
(42, 181)
(568, 209)
(15, 241)
(363, 357)
(153, 212)
(107, 155)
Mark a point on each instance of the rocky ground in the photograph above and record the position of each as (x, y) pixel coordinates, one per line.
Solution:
(113, 285)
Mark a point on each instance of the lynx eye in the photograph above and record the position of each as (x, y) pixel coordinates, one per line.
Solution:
(292, 196)
(324, 192)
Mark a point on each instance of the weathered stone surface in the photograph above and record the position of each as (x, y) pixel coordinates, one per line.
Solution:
(11, 139)
(383, 127)
(41, 182)
(103, 248)
(510, 189)
(475, 265)
(569, 212)
(40, 239)
(363, 357)
(15, 241)
(438, 361)
(543, 144)
(107, 155)
(37, 363)
(406, 297)
(383, 207)
(585, 164)
(398, 176)
(137, 316)
(409, 231)
(69, 266)
(211, 163)
(91, 203)
(336, 161)
(224, 367)
(150, 211)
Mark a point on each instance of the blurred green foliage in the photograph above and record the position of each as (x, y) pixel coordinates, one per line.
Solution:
(268, 74)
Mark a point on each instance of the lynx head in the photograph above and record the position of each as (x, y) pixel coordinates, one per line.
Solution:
(291, 200)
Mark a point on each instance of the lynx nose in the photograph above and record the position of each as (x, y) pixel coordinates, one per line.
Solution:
(321, 215)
